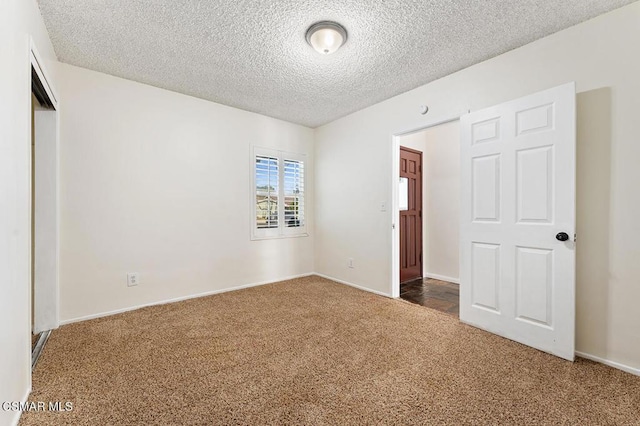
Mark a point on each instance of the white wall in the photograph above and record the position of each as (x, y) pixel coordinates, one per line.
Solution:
(440, 147)
(18, 20)
(600, 56)
(159, 183)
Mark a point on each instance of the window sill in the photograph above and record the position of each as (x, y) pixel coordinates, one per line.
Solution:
(279, 237)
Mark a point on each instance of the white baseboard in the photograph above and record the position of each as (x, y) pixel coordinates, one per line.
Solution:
(18, 414)
(442, 278)
(179, 299)
(379, 293)
(626, 368)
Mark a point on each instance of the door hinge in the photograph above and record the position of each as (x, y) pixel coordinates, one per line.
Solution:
(575, 238)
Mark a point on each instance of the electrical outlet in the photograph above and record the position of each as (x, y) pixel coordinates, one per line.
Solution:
(350, 263)
(132, 279)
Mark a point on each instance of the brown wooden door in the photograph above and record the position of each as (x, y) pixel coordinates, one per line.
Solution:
(411, 219)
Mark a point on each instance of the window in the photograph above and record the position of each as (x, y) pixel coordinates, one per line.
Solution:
(278, 189)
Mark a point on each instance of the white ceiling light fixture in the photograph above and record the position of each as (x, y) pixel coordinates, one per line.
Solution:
(326, 37)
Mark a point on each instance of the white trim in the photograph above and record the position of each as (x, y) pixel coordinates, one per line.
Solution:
(276, 237)
(58, 216)
(619, 366)
(395, 217)
(180, 299)
(431, 124)
(379, 293)
(41, 71)
(442, 278)
(18, 413)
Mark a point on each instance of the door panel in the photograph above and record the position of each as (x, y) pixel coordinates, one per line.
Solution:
(518, 191)
(485, 276)
(411, 219)
(535, 185)
(534, 277)
(486, 188)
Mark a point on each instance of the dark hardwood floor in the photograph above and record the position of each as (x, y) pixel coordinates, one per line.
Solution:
(435, 294)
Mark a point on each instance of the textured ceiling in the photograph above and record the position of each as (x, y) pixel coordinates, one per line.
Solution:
(252, 54)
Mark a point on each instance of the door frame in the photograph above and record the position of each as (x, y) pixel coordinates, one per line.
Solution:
(395, 208)
(36, 62)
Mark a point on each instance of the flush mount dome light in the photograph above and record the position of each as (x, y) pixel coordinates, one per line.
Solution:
(326, 36)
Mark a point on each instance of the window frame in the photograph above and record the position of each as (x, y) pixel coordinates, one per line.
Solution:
(281, 231)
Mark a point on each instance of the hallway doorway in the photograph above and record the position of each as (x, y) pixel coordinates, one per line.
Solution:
(435, 151)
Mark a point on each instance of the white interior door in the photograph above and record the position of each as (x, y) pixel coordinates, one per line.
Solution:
(517, 275)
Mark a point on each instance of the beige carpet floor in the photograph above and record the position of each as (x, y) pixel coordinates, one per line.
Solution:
(311, 351)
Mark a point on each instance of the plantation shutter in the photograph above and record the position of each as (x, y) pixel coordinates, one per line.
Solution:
(293, 193)
(278, 194)
(267, 182)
